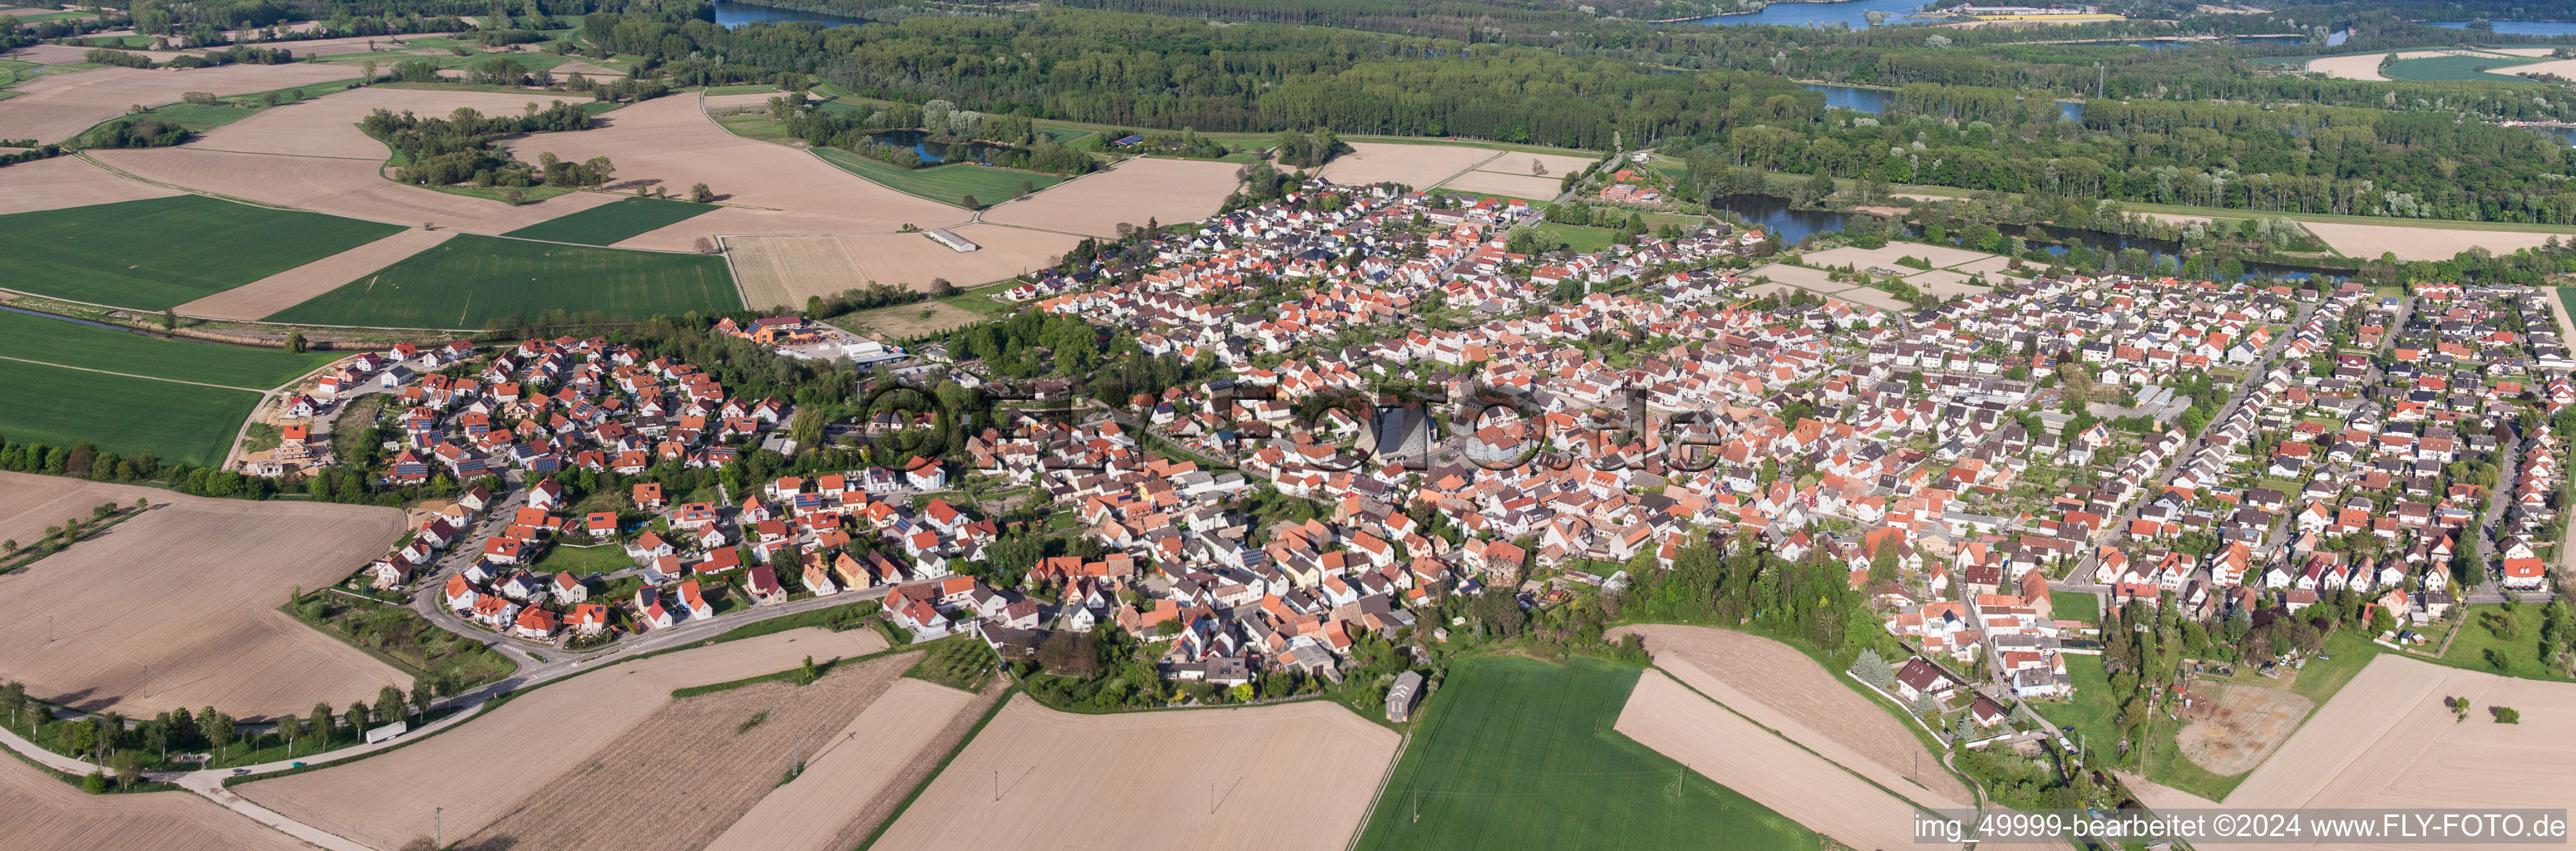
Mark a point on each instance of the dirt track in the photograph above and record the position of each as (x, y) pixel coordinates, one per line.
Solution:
(853, 780)
(482, 771)
(1663, 715)
(676, 781)
(1296, 776)
(260, 298)
(39, 812)
(1784, 690)
(177, 607)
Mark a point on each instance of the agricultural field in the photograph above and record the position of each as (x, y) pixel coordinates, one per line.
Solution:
(249, 302)
(1515, 753)
(177, 607)
(63, 407)
(1664, 715)
(1782, 689)
(352, 188)
(1133, 192)
(855, 779)
(1418, 166)
(614, 222)
(487, 768)
(785, 270)
(56, 107)
(1296, 775)
(63, 343)
(2452, 67)
(470, 279)
(1505, 185)
(157, 253)
(52, 184)
(946, 184)
(2422, 243)
(38, 811)
(721, 752)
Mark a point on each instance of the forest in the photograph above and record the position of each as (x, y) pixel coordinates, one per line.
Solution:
(458, 148)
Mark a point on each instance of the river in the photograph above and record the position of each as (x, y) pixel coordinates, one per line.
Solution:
(1788, 226)
(1850, 13)
(730, 15)
(2544, 28)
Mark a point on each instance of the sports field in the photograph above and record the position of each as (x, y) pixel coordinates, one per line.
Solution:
(470, 279)
(947, 184)
(70, 344)
(161, 252)
(608, 224)
(175, 422)
(1516, 753)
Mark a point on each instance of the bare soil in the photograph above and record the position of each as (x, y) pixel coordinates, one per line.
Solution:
(1294, 776)
(52, 184)
(40, 812)
(676, 781)
(1418, 166)
(1724, 747)
(1550, 166)
(2232, 727)
(784, 270)
(1513, 185)
(1786, 691)
(483, 770)
(328, 126)
(2413, 243)
(56, 107)
(855, 779)
(1133, 192)
(266, 296)
(177, 607)
(341, 187)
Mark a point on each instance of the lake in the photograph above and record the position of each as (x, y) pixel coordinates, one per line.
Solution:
(1875, 101)
(730, 15)
(1850, 13)
(2519, 27)
(1771, 213)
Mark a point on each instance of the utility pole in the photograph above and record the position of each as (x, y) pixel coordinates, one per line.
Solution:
(438, 827)
(793, 762)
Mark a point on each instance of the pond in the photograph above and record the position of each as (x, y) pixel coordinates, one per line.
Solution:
(1875, 101)
(934, 151)
(730, 14)
(1772, 214)
(1850, 13)
(2519, 27)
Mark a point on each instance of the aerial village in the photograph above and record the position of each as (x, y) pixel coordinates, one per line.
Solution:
(2216, 447)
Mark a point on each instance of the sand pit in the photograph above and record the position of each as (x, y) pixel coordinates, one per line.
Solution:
(1132, 192)
(775, 189)
(1515, 186)
(1721, 745)
(2231, 728)
(340, 187)
(52, 184)
(626, 797)
(295, 286)
(1418, 166)
(483, 770)
(40, 812)
(56, 107)
(328, 126)
(855, 778)
(1782, 689)
(178, 607)
(1293, 776)
(1940, 256)
(2415, 243)
(2385, 740)
(776, 270)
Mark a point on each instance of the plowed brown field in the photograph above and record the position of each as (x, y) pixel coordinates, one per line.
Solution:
(40, 812)
(53, 184)
(56, 107)
(854, 779)
(1132, 192)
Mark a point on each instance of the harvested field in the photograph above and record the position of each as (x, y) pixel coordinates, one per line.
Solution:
(2561, 67)
(1508, 185)
(177, 606)
(53, 184)
(1292, 776)
(676, 781)
(1418, 166)
(328, 126)
(1132, 192)
(669, 142)
(1780, 688)
(275, 293)
(2385, 740)
(2231, 731)
(39, 812)
(1944, 283)
(1939, 256)
(1811, 280)
(64, 54)
(341, 187)
(1732, 751)
(1871, 297)
(1550, 166)
(856, 778)
(485, 770)
(2417, 243)
(2364, 66)
(56, 107)
(776, 270)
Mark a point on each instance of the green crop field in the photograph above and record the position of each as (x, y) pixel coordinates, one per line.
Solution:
(163, 252)
(610, 223)
(1515, 753)
(174, 422)
(470, 279)
(2436, 68)
(947, 184)
(55, 341)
